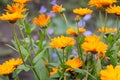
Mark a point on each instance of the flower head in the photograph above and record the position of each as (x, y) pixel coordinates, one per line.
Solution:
(87, 33)
(73, 31)
(12, 17)
(92, 38)
(57, 8)
(53, 2)
(9, 66)
(95, 47)
(21, 1)
(110, 73)
(74, 63)
(107, 30)
(42, 9)
(82, 11)
(81, 23)
(14, 62)
(54, 70)
(16, 7)
(101, 3)
(113, 10)
(62, 42)
(92, 44)
(42, 20)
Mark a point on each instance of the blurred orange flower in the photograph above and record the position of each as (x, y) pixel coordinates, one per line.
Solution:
(42, 20)
(16, 7)
(62, 42)
(107, 30)
(74, 63)
(9, 66)
(82, 11)
(21, 1)
(56, 8)
(101, 3)
(110, 73)
(12, 17)
(54, 70)
(113, 10)
(95, 47)
(73, 31)
(92, 38)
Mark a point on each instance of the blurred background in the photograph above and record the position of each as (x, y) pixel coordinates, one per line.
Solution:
(57, 27)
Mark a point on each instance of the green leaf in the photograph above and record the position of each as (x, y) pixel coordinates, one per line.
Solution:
(82, 71)
(27, 28)
(22, 67)
(39, 56)
(42, 71)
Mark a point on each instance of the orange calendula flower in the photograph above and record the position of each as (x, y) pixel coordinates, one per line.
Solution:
(95, 47)
(110, 73)
(9, 66)
(101, 3)
(82, 11)
(6, 69)
(62, 42)
(92, 38)
(113, 10)
(107, 30)
(54, 70)
(12, 17)
(14, 62)
(74, 63)
(42, 20)
(57, 8)
(21, 1)
(73, 31)
(16, 7)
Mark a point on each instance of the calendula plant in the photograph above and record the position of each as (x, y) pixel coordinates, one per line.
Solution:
(77, 55)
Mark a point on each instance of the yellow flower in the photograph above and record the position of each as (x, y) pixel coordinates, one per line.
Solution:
(6, 69)
(42, 20)
(16, 7)
(73, 31)
(21, 1)
(12, 17)
(82, 11)
(95, 47)
(101, 3)
(82, 30)
(14, 62)
(57, 8)
(62, 42)
(54, 70)
(74, 63)
(107, 30)
(92, 38)
(114, 10)
(9, 66)
(110, 73)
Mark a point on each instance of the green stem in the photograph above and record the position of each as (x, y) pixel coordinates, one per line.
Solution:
(100, 16)
(16, 75)
(17, 43)
(65, 19)
(58, 56)
(31, 43)
(63, 55)
(7, 78)
(34, 71)
(117, 18)
(22, 36)
(105, 22)
(77, 41)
